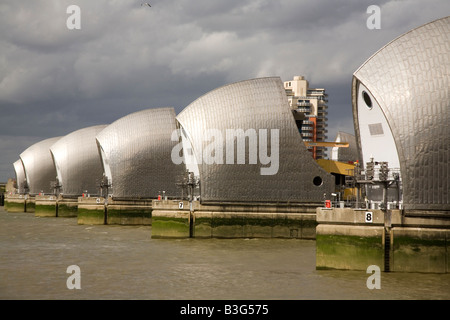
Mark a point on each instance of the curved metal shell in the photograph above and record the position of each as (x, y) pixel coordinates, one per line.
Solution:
(407, 83)
(77, 161)
(20, 176)
(136, 154)
(275, 165)
(39, 167)
(345, 154)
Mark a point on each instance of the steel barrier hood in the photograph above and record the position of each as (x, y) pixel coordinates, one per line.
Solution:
(39, 167)
(407, 82)
(77, 162)
(248, 148)
(20, 176)
(136, 155)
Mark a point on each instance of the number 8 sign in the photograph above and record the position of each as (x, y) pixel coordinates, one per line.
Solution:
(368, 217)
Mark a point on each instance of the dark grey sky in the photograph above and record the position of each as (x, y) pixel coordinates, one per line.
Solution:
(127, 57)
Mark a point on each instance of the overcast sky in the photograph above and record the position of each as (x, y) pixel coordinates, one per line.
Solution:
(127, 57)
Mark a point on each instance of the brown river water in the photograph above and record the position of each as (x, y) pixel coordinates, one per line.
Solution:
(124, 262)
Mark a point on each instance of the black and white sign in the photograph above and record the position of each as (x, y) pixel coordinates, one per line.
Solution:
(368, 217)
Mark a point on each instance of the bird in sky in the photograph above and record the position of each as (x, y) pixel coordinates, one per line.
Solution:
(145, 4)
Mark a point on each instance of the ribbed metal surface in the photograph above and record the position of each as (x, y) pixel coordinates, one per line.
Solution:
(136, 151)
(39, 167)
(20, 176)
(409, 78)
(78, 163)
(252, 104)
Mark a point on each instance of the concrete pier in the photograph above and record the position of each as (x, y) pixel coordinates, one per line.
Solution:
(19, 203)
(67, 207)
(55, 206)
(354, 239)
(46, 206)
(180, 219)
(91, 210)
(129, 211)
(100, 210)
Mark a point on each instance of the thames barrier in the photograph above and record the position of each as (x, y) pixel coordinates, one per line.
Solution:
(236, 164)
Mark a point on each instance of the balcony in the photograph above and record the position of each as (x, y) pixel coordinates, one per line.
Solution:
(304, 109)
(318, 92)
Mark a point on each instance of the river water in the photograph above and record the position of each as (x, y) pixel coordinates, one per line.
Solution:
(123, 262)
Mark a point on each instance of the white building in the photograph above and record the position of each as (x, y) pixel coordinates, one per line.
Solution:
(312, 102)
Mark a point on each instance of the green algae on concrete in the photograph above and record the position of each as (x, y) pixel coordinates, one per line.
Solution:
(301, 226)
(420, 250)
(91, 210)
(167, 224)
(129, 215)
(258, 226)
(230, 225)
(349, 248)
(45, 210)
(67, 209)
(30, 205)
(202, 225)
(91, 215)
(15, 205)
(262, 225)
(227, 220)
